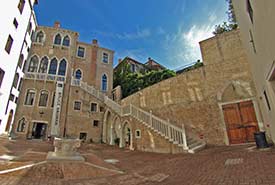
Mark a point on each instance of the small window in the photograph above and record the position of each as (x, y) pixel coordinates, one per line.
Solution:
(104, 83)
(20, 85)
(83, 136)
(77, 105)
(43, 100)
(250, 11)
(267, 101)
(20, 61)
(53, 67)
(138, 134)
(15, 23)
(15, 80)
(16, 100)
(95, 123)
(39, 37)
(30, 28)
(21, 5)
(57, 39)
(53, 97)
(9, 44)
(33, 65)
(93, 107)
(29, 100)
(81, 52)
(101, 109)
(78, 74)
(105, 58)
(2, 74)
(11, 98)
(133, 68)
(21, 125)
(66, 41)
(43, 65)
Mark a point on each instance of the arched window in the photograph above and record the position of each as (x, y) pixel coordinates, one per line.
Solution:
(43, 65)
(53, 67)
(21, 125)
(20, 61)
(29, 100)
(62, 67)
(43, 100)
(39, 37)
(33, 65)
(15, 80)
(78, 74)
(66, 41)
(57, 39)
(104, 82)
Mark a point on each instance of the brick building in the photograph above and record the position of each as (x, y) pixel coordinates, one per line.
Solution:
(51, 102)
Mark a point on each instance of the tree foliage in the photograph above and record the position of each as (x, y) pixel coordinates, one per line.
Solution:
(133, 82)
(232, 25)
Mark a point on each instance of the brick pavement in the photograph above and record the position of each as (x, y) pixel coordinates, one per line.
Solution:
(214, 166)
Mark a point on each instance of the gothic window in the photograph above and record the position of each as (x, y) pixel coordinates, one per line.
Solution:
(53, 67)
(43, 65)
(39, 37)
(66, 41)
(57, 39)
(33, 65)
(43, 100)
(62, 67)
(29, 100)
(21, 125)
(78, 74)
(104, 83)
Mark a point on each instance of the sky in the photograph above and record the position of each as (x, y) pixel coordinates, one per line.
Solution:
(168, 31)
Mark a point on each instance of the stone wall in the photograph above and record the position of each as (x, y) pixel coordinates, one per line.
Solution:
(194, 97)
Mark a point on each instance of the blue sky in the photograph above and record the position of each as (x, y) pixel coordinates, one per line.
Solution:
(165, 30)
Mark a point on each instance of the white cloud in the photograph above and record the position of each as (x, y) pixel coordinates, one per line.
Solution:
(139, 34)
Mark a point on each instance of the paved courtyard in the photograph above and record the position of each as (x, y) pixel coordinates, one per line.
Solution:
(238, 165)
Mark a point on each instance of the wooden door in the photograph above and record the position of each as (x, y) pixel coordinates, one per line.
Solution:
(241, 122)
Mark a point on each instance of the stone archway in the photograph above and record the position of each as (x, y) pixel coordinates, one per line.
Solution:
(106, 130)
(116, 130)
(126, 140)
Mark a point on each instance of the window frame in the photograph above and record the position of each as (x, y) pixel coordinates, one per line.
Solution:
(102, 83)
(9, 44)
(54, 40)
(34, 97)
(96, 107)
(28, 67)
(97, 123)
(21, 6)
(81, 77)
(138, 136)
(47, 100)
(18, 125)
(58, 71)
(68, 40)
(74, 105)
(84, 52)
(105, 56)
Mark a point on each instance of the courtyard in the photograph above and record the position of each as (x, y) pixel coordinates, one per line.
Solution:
(23, 163)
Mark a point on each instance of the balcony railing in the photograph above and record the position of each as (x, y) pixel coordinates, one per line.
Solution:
(47, 77)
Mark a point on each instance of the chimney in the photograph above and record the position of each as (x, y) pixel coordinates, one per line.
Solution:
(56, 24)
(95, 42)
(119, 60)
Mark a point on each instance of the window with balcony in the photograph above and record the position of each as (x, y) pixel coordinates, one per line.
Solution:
(43, 100)
(66, 41)
(9, 44)
(53, 67)
(81, 52)
(30, 96)
(78, 74)
(57, 39)
(33, 65)
(44, 65)
(62, 67)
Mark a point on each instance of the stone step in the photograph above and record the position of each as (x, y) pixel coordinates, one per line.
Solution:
(197, 148)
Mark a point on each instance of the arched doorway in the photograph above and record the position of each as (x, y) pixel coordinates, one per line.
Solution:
(107, 124)
(116, 131)
(8, 125)
(126, 136)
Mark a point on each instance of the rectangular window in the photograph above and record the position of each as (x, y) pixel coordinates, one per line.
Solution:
(21, 5)
(77, 105)
(93, 107)
(83, 136)
(29, 100)
(30, 28)
(15, 23)
(20, 85)
(11, 98)
(81, 52)
(250, 11)
(2, 73)
(105, 58)
(53, 97)
(96, 123)
(267, 100)
(9, 44)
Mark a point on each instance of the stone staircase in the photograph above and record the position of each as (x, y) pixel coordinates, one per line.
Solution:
(174, 134)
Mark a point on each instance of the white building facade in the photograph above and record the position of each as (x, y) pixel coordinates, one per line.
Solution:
(18, 23)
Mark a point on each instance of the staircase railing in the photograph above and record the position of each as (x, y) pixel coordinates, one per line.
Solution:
(169, 131)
